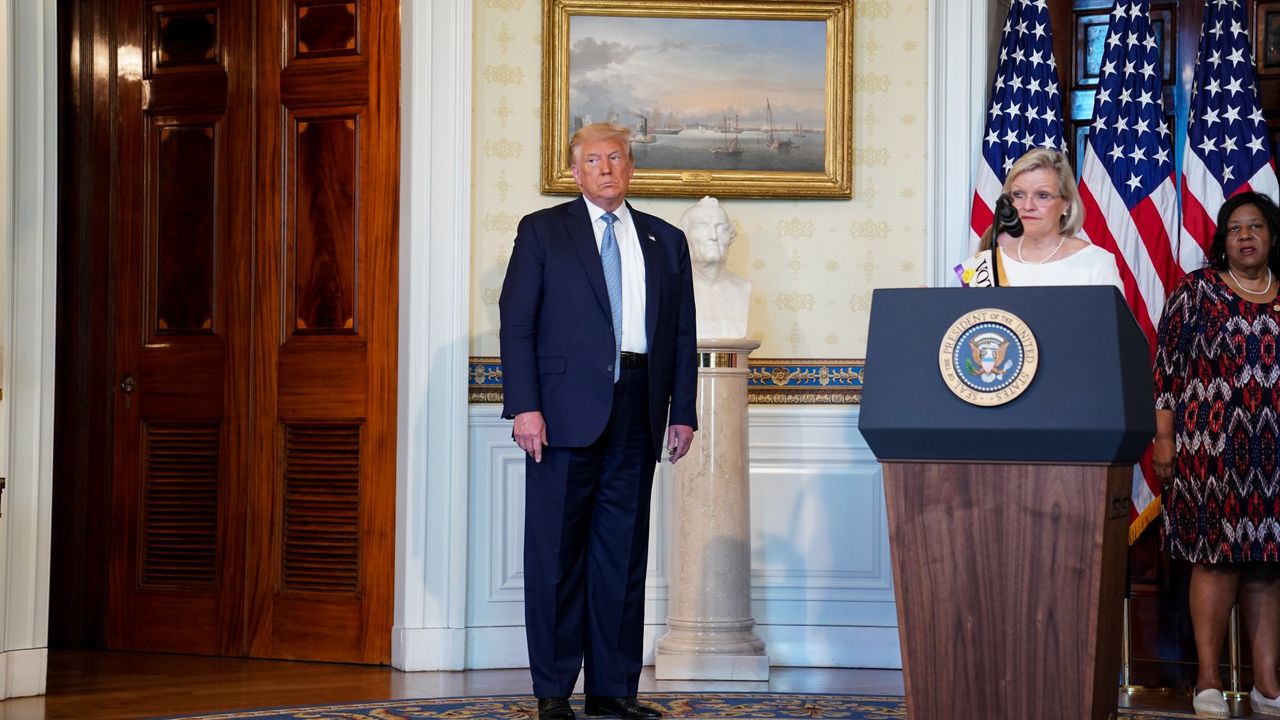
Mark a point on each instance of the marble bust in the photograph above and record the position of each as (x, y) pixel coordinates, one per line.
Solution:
(723, 298)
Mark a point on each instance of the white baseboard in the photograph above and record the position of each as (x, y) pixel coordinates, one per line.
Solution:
(416, 649)
(23, 672)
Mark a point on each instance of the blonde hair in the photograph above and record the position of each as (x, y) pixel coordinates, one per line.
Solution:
(599, 131)
(1045, 159)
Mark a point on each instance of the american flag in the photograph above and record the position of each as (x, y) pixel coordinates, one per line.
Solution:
(1026, 108)
(1227, 149)
(1128, 192)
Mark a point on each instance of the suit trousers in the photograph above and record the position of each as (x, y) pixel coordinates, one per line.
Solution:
(586, 547)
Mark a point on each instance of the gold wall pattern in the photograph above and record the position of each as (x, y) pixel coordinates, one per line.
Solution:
(503, 74)
(796, 264)
(871, 83)
(871, 155)
(503, 111)
(872, 10)
(796, 228)
(502, 185)
(502, 37)
(503, 149)
(501, 223)
(812, 263)
(869, 229)
(794, 301)
(785, 381)
(869, 266)
(504, 5)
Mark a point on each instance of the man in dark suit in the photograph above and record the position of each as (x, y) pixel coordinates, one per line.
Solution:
(598, 346)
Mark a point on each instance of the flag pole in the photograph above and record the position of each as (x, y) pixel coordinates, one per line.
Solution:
(1126, 656)
(1233, 655)
(1126, 651)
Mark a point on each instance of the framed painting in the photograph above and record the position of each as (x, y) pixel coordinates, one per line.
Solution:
(732, 98)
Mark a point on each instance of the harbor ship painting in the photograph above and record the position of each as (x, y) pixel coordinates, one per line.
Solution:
(760, 107)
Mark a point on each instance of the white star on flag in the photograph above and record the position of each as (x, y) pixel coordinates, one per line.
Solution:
(1022, 115)
(1227, 149)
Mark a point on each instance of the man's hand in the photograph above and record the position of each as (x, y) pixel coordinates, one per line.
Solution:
(679, 438)
(530, 433)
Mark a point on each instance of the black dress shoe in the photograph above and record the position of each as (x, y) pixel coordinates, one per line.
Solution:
(554, 709)
(622, 707)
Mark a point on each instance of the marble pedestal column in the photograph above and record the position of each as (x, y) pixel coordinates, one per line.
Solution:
(710, 630)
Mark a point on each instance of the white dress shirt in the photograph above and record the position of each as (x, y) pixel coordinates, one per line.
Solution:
(634, 338)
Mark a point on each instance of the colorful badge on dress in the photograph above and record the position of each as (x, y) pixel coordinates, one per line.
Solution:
(975, 271)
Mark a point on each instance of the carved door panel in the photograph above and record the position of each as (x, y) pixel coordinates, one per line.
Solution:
(183, 252)
(254, 471)
(322, 500)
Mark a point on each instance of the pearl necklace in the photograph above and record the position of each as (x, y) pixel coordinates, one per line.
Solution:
(1061, 239)
(1240, 285)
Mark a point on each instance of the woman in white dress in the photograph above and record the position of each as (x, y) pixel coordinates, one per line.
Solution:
(1044, 193)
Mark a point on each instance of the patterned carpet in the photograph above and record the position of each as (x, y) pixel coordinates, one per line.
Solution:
(673, 705)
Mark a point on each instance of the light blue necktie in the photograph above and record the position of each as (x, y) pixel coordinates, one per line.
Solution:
(611, 260)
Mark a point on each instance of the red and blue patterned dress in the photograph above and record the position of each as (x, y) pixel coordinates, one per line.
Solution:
(1216, 368)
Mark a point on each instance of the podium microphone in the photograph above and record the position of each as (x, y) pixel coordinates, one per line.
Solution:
(1006, 220)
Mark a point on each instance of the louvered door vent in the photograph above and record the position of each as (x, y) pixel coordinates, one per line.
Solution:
(180, 506)
(322, 508)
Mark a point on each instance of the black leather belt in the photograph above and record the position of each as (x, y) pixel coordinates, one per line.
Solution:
(631, 360)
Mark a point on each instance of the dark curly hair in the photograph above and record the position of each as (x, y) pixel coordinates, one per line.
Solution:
(1218, 249)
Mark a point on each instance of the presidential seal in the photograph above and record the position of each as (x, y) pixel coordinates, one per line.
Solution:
(988, 357)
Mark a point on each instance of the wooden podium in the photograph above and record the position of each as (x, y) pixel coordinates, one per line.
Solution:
(1007, 523)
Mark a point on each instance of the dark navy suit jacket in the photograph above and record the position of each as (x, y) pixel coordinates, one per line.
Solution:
(557, 332)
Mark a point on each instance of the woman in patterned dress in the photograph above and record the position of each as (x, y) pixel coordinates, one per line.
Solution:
(1217, 445)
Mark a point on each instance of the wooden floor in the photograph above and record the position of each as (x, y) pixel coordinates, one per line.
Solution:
(117, 685)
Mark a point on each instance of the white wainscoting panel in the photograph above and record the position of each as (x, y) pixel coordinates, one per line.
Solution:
(495, 590)
(822, 584)
(822, 581)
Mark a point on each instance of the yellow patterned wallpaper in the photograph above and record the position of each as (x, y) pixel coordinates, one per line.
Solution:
(812, 263)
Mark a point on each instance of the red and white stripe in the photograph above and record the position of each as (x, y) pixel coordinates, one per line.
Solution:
(1202, 198)
(1142, 239)
(986, 190)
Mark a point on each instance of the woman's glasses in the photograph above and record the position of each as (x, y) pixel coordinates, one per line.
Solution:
(1039, 198)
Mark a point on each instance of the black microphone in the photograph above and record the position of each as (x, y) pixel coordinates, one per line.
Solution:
(1007, 219)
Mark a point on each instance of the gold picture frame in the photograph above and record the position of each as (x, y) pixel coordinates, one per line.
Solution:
(725, 132)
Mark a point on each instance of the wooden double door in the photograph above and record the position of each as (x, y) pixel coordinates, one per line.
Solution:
(251, 177)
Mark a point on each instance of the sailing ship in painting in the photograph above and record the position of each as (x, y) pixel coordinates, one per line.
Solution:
(776, 141)
(730, 146)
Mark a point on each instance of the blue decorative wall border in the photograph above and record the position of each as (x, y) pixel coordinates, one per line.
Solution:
(769, 381)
